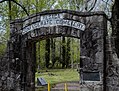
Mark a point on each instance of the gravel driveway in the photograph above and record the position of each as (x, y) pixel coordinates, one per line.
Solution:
(72, 86)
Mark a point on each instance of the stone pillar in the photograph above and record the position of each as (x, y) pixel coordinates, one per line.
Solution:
(10, 79)
(93, 54)
(14, 46)
(30, 66)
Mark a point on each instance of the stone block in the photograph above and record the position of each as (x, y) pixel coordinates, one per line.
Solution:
(10, 83)
(0, 84)
(3, 78)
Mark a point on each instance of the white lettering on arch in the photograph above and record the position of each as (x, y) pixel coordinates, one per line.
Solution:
(53, 20)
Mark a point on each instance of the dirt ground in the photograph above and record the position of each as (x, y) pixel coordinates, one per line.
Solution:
(72, 86)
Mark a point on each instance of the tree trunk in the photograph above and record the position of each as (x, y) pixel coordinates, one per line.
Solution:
(72, 54)
(47, 53)
(53, 51)
(115, 25)
(63, 52)
(60, 49)
(38, 55)
(68, 53)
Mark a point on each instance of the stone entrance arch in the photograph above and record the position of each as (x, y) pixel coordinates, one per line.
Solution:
(89, 27)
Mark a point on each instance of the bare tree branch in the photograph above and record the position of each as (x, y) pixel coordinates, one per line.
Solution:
(107, 2)
(1, 1)
(21, 7)
(93, 6)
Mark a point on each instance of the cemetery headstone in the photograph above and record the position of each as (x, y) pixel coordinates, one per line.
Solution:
(41, 81)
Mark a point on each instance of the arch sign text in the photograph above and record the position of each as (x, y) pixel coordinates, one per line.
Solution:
(53, 20)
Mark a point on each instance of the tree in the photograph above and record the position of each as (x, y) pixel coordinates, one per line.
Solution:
(63, 52)
(115, 25)
(53, 58)
(47, 53)
(68, 55)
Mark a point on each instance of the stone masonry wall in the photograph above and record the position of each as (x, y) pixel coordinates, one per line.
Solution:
(93, 53)
(17, 66)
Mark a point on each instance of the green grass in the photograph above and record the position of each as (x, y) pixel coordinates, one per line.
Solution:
(54, 76)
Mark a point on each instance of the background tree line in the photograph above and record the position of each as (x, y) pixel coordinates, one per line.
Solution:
(61, 52)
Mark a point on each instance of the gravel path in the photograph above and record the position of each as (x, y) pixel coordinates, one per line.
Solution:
(72, 86)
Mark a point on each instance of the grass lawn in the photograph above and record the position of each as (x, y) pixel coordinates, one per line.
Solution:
(54, 76)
